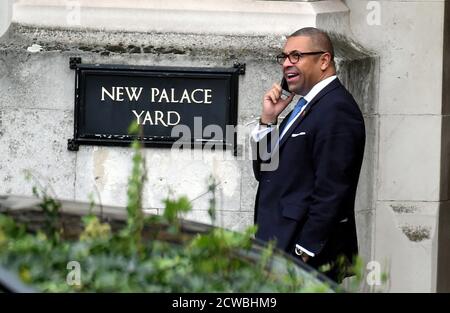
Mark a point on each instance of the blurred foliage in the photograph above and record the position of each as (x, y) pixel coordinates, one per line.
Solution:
(208, 263)
(128, 261)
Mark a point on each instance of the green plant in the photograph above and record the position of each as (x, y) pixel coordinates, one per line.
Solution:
(50, 207)
(133, 231)
(134, 260)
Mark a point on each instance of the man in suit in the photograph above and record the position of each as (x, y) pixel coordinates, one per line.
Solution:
(306, 201)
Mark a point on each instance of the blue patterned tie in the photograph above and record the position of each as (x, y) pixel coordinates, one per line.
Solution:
(298, 107)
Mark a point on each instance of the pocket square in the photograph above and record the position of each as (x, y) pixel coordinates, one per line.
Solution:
(299, 134)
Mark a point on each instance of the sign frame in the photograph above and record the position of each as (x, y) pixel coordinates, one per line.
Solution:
(81, 70)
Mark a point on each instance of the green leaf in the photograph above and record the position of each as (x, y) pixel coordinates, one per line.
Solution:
(133, 129)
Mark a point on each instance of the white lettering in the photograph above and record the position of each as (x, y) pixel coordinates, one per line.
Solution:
(148, 117)
(172, 96)
(159, 117)
(138, 117)
(169, 120)
(133, 95)
(164, 95)
(208, 96)
(119, 93)
(192, 303)
(196, 96)
(110, 95)
(155, 93)
(193, 96)
(185, 95)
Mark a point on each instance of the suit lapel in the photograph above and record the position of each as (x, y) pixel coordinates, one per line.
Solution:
(333, 85)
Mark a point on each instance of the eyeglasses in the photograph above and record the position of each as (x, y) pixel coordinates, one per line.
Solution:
(294, 56)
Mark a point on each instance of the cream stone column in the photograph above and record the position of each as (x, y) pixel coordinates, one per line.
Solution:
(5, 15)
(412, 228)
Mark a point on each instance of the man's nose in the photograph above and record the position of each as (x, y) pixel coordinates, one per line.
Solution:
(287, 63)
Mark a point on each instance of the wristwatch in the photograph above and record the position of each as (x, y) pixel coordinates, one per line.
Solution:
(268, 124)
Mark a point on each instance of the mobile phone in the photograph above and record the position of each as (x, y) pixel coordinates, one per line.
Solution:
(285, 88)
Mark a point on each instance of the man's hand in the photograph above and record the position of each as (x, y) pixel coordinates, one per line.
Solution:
(305, 258)
(273, 104)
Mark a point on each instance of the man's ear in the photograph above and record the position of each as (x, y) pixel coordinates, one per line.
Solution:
(325, 60)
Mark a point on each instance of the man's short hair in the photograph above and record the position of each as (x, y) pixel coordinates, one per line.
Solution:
(319, 38)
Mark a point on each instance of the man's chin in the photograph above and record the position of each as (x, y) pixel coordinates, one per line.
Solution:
(297, 91)
(294, 89)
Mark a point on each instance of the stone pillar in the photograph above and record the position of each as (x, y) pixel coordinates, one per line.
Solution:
(411, 224)
(5, 15)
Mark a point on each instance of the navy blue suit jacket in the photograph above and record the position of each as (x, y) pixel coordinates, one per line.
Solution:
(309, 198)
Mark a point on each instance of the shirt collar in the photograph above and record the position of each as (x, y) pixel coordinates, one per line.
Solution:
(318, 88)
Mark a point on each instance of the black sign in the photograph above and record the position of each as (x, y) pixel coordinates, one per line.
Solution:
(109, 98)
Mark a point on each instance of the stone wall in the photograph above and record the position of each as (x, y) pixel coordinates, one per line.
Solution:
(402, 200)
(37, 116)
